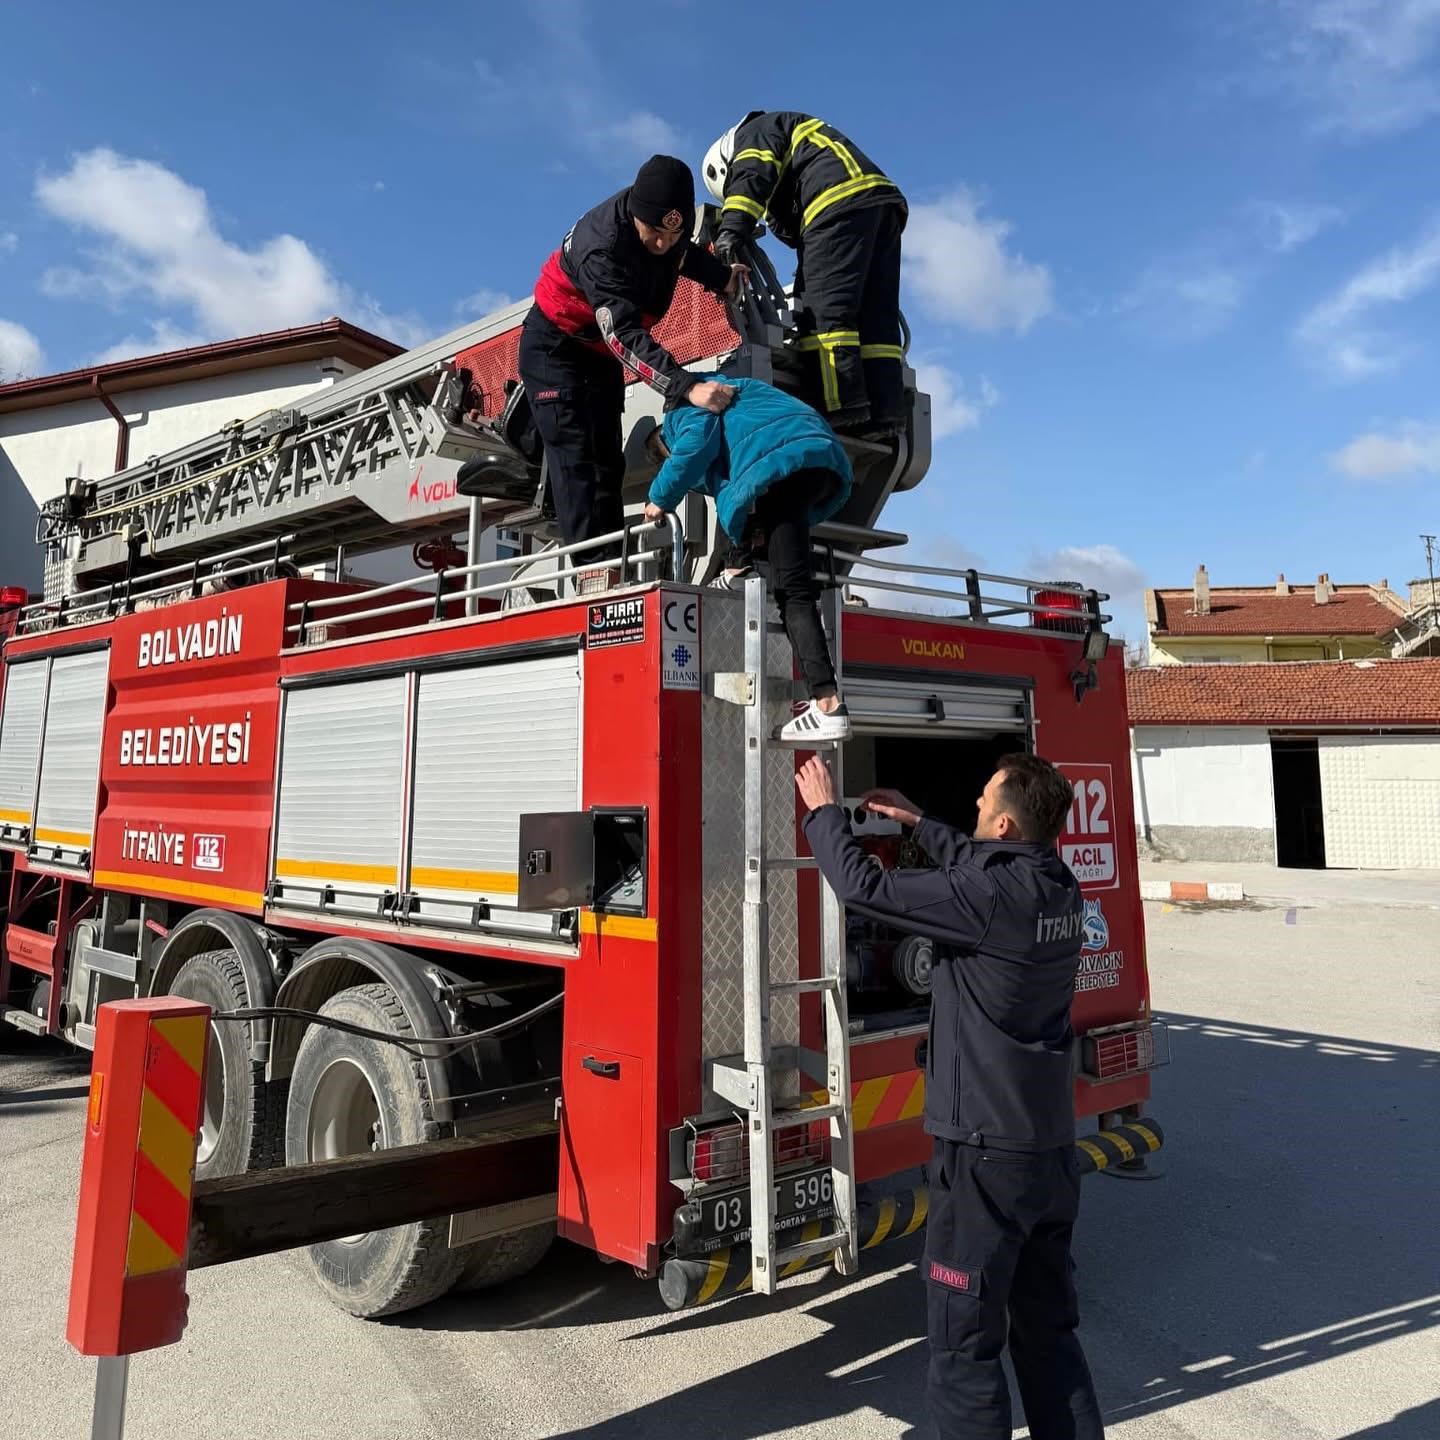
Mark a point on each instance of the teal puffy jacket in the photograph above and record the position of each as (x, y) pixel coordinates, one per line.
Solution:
(763, 436)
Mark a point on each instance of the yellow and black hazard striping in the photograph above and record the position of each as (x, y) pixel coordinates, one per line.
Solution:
(1118, 1146)
(893, 1217)
(727, 1272)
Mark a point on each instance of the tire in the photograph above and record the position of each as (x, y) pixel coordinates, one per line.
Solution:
(349, 1094)
(243, 1125)
(506, 1257)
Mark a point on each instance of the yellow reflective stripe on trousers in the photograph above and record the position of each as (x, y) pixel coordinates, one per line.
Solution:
(882, 352)
(845, 190)
(745, 205)
(766, 157)
(827, 342)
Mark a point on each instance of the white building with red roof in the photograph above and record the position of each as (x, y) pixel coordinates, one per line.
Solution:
(1334, 764)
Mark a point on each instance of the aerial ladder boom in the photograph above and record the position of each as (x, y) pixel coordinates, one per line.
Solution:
(376, 459)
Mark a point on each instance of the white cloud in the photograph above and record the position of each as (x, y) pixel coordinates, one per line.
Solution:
(481, 303)
(576, 91)
(9, 242)
(954, 405)
(1411, 448)
(1188, 297)
(958, 264)
(1363, 68)
(1284, 228)
(1098, 567)
(20, 352)
(1338, 335)
(156, 239)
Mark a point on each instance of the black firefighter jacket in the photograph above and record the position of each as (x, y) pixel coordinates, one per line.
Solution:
(788, 171)
(603, 287)
(1007, 919)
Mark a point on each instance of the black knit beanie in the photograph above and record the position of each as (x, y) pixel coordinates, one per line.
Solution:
(663, 194)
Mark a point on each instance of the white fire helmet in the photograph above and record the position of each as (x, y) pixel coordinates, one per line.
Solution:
(716, 168)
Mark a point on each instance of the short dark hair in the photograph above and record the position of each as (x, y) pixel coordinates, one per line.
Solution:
(1035, 795)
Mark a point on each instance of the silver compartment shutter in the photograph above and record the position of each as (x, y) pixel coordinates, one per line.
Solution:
(342, 764)
(919, 708)
(70, 754)
(491, 743)
(20, 745)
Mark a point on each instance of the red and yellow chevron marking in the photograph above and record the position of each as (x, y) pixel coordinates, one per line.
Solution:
(132, 1225)
(885, 1100)
(165, 1164)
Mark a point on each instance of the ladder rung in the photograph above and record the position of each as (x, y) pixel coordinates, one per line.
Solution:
(790, 862)
(806, 1248)
(805, 987)
(806, 1115)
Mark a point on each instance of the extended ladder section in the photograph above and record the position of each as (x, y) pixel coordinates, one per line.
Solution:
(752, 1087)
(396, 454)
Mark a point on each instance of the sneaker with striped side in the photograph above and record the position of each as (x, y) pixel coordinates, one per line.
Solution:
(726, 581)
(812, 726)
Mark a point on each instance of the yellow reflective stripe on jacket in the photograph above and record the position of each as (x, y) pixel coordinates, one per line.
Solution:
(844, 191)
(766, 157)
(745, 205)
(843, 155)
(882, 352)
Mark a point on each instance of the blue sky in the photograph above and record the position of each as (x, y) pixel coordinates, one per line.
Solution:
(1173, 271)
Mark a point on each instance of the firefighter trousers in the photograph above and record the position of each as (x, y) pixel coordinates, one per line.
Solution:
(577, 396)
(847, 299)
(997, 1263)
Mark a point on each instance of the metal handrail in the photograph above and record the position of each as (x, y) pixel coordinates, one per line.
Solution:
(981, 606)
(362, 606)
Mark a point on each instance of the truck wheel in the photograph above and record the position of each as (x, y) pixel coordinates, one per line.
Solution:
(243, 1121)
(506, 1257)
(348, 1095)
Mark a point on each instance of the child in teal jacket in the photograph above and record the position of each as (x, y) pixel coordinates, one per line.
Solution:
(774, 468)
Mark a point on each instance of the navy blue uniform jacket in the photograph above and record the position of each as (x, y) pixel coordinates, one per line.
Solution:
(1007, 919)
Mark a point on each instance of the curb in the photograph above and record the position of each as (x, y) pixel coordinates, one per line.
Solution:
(1191, 890)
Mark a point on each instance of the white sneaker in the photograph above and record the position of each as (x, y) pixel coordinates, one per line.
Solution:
(726, 581)
(812, 726)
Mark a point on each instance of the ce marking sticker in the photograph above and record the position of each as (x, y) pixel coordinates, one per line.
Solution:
(680, 642)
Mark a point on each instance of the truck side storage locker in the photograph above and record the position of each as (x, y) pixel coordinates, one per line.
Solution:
(342, 764)
(491, 741)
(70, 758)
(21, 727)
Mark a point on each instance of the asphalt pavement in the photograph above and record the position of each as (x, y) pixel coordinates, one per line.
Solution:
(1281, 1279)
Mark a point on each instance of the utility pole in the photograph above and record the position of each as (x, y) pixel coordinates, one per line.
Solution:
(1430, 564)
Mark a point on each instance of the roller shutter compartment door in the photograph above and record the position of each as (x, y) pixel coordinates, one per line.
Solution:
(342, 773)
(20, 727)
(491, 743)
(70, 757)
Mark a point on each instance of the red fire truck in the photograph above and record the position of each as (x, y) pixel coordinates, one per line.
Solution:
(543, 831)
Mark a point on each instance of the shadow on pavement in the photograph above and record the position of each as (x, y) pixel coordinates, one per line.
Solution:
(1294, 1225)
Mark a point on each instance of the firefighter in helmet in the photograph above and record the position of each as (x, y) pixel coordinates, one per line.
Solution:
(596, 300)
(821, 194)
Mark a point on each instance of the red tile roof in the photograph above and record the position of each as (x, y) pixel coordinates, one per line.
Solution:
(1352, 610)
(1329, 692)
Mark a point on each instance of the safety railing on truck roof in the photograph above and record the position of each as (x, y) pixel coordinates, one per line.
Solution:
(526, 573)
(161, 587)
(1063, 607)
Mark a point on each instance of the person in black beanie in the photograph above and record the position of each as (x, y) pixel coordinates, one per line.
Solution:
(596, 300)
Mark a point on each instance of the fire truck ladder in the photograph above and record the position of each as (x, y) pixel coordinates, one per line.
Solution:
(753, 1088)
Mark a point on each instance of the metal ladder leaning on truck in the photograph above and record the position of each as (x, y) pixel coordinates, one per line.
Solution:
(544, 828)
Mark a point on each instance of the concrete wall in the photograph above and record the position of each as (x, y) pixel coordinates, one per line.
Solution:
(39, 448)
(1204, 792)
